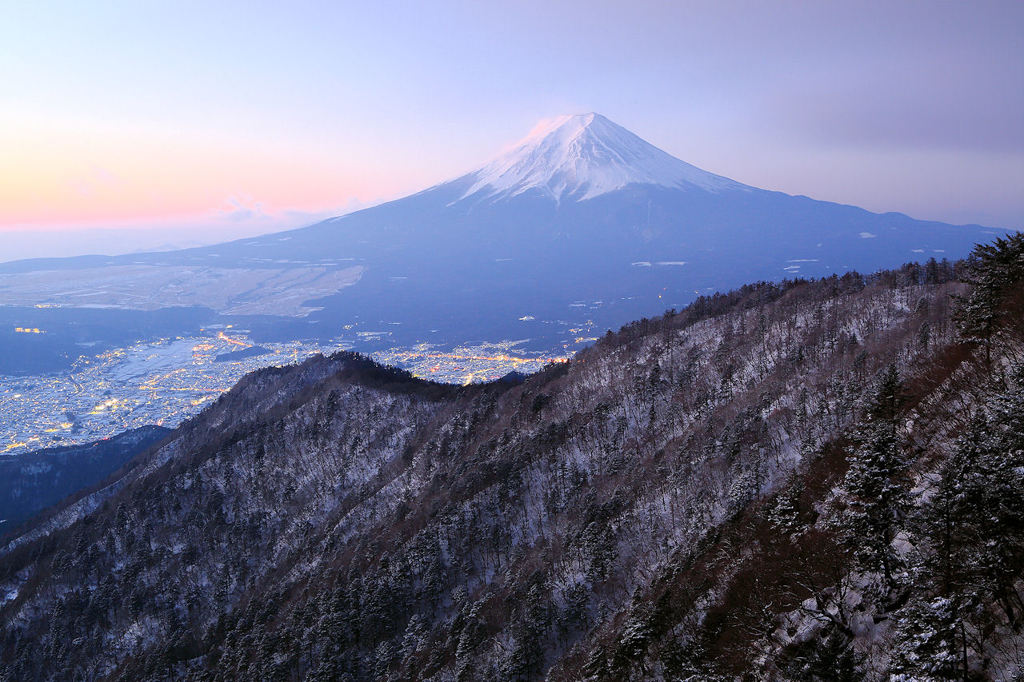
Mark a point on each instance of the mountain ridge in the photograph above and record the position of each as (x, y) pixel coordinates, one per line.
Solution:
(351, 521)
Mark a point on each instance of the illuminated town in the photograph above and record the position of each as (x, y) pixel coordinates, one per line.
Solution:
(166, 381)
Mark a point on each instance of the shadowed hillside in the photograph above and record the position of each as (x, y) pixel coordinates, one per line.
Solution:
(809, 480)
(32, 481)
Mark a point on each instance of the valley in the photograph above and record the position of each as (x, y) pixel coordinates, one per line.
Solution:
(233, 291)
(164, 381)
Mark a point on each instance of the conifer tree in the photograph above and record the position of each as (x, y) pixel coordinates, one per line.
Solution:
(876, 482)
(927, 644)
(996, 271)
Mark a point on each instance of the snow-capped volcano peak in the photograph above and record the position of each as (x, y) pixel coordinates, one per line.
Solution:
(584, 156)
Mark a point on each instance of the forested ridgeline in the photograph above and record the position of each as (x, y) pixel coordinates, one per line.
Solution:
(811, 480)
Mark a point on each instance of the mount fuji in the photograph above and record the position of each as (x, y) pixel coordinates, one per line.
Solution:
(580, 226)
(584, 156)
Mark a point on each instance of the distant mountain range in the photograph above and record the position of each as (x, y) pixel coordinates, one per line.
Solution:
(580, 227)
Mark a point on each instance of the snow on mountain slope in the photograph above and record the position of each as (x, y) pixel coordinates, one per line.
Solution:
(585, 156)
(552, 236)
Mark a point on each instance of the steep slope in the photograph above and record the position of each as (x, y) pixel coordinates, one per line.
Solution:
(675, 501)
(582, 157)
(32, 481)
(580, 227)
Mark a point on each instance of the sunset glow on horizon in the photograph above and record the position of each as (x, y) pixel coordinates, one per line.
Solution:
(260, 117)
(63, 174)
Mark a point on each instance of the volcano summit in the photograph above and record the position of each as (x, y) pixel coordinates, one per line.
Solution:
(584, 156)
(580, 227)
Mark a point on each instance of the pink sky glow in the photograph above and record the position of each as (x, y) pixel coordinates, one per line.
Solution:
(225, 118)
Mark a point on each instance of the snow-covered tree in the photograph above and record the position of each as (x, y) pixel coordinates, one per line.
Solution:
(876, 482)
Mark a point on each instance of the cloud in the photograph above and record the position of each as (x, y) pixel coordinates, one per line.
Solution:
(241, 210)
(247, 210)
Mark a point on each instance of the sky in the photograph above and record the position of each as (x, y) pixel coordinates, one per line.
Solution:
(178, 123)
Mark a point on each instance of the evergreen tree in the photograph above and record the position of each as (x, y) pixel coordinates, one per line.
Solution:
(415, 632)
(876, 482)
(928, 645)
(473, 632)
(785, 514)
(996, 272)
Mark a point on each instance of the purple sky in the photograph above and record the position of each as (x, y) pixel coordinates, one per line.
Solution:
(206, 119)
